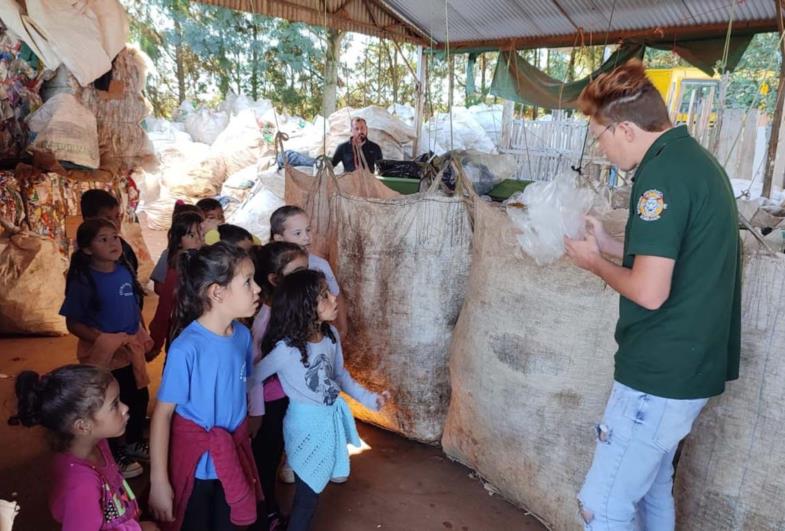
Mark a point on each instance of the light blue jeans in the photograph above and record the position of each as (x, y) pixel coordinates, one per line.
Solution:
(629, 485)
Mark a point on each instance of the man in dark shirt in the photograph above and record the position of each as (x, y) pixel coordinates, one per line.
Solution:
(345, 152)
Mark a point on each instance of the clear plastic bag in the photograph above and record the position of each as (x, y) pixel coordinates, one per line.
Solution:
(546, 212)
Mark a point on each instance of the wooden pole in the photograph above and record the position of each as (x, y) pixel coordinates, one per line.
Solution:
(774, 138)
(419, 112)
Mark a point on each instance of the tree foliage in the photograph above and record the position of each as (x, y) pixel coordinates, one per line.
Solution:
(202, 53)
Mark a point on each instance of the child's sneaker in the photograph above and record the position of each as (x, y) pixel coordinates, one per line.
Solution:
(129, 468)
(138, 450)
(286, 475)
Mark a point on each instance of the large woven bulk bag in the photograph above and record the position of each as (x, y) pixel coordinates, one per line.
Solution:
(531, 367)
(32, 273)
(403, 264)
(731, 474)
(314, 195)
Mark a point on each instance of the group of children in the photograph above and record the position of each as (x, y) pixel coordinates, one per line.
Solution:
(231, 398)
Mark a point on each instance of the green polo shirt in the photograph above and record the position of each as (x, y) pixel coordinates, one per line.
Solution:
(682, 207)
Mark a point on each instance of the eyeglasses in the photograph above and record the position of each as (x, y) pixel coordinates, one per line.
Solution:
(597, 138)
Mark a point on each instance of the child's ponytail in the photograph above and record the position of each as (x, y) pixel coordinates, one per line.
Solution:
(58, 399)
(199, 269)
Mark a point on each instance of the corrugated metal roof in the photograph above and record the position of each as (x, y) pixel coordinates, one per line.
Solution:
(371, 17)
(464, 22)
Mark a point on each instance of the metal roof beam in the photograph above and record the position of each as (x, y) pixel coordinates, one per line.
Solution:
(674, 33)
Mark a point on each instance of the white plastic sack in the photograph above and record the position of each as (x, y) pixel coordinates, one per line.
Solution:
(405, 113)
(490, 118)
(254, 214)
(204, 125)
(551, 210)
(467, 133)
(241, 180)
(68, 129)
(185, 110)
(242, 143)
(190, 170)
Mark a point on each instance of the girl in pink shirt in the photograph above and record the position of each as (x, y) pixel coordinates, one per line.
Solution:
(273, 261)
(80, 406)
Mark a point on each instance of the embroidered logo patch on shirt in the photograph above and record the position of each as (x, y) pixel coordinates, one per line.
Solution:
(651, 205)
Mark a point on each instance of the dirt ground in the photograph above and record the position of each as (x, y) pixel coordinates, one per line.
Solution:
(395, 484)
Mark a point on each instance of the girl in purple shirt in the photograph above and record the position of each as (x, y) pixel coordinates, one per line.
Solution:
(80, 406)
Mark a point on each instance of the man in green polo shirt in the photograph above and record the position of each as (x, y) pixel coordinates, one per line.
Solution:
(680, 299)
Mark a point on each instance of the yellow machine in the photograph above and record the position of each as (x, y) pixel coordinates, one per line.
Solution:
(685, 91)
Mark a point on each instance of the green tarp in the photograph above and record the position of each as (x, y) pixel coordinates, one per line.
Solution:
(518, 80)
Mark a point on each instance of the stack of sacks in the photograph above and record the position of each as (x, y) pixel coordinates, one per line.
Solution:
(467, 133)
(84, 36)
(46, 204)
(261, 201)
(12, 209)
(405, 113)
(237, 188)
(119, 111)
(242, 143)
(189, 170)
(205, 125)
(389, 132)
(234, 104)
(306, 137)
(20, 83)
(490, 118)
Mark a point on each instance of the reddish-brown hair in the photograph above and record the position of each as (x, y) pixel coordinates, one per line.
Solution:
(625, 95)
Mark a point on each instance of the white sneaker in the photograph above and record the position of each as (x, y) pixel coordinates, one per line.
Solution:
(128, 468)
(286, 474)
(340, 479)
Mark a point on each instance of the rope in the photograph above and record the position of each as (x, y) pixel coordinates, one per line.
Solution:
(579, 168)
(449, 68)
(280, 138)
(726, 48)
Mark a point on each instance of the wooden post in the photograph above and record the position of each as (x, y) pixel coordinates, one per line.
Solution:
(419, 111)
(771, 155)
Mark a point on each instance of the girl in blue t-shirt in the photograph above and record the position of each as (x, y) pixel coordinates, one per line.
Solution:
(102, 308)
(202, 471)
(304, 350)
